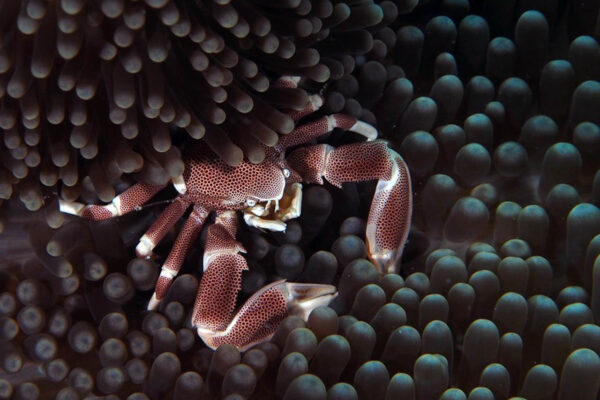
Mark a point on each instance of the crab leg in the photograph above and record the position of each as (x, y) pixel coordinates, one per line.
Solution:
(163, 224)
(315, 101)
(389, 217)
(312, 130)
(187, 236)
(129, 200)
(257, 320)
(259, 317)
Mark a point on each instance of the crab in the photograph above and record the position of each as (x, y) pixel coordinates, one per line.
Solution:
(268, 194)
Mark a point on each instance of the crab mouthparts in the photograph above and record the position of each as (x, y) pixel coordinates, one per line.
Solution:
(271, 214)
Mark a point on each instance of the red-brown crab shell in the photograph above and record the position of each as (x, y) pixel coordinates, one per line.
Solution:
(218, 186)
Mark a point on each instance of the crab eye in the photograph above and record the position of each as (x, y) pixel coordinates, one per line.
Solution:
(250, 202)
(286, 172)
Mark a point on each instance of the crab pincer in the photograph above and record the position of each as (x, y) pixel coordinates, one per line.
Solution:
(390, 213)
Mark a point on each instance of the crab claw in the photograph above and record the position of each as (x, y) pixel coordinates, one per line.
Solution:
(302, 298)
(389, 217)
(214, 314)
(258, 319)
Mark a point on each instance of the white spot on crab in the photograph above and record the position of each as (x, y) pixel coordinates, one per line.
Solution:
(144, 247)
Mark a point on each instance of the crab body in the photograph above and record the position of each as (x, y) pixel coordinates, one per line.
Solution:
(209, 181)
(268, 193)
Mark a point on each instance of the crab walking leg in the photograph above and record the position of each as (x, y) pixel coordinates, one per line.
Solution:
(129, 200)
(258, 319)
(389, 217)
(312, 130)
(163, 224)
(187, 236)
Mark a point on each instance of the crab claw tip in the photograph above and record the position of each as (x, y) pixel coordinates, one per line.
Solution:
(385, 261)
(305, 297)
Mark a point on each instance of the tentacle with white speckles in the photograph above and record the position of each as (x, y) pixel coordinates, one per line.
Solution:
(185, 239)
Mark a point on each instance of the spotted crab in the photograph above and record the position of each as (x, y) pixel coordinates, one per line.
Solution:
(268, 194)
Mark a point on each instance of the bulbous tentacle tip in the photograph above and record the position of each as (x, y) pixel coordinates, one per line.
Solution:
(316, 101)
(179, 184)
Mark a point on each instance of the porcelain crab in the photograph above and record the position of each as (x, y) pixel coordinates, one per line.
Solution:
(268, 194)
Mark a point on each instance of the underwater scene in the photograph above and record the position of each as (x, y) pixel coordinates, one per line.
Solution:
(300, 199)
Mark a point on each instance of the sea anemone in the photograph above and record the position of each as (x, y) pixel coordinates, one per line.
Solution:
(91, 91)
(493, 106)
